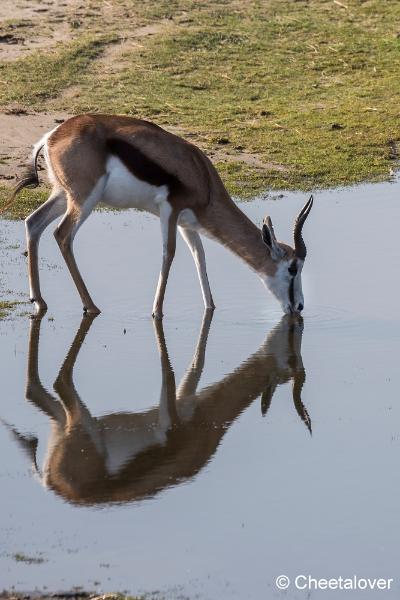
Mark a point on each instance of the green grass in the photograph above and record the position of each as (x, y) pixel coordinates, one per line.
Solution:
(40, 76)
(26, 202)
(7, 306)
(308, 85)
(29, 560)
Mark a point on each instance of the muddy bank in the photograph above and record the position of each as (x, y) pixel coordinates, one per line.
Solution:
(71, 595)
(81, 595)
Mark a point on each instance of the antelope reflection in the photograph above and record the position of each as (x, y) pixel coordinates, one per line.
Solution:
(130, 456)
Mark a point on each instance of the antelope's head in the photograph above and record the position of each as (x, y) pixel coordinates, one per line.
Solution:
(285, 281)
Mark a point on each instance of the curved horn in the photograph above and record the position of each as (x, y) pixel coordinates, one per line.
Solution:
(299, 245)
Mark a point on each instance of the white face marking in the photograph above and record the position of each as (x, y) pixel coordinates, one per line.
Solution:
(279, 284)
(124, 190)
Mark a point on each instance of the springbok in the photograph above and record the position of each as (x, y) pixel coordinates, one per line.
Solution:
(126, 162)
(123, 457)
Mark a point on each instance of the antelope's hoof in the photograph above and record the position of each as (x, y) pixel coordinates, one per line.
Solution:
(91, 310)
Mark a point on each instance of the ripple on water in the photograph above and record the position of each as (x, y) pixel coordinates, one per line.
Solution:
(314, 317)
(329, 317)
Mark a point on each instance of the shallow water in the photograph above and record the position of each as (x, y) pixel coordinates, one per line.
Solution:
(186, 465)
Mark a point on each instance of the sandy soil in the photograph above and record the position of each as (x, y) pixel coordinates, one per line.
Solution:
(18, 132)
(29, 25)
(26, 26)
(248, 158)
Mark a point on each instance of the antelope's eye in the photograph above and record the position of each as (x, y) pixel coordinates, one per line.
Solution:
(292, 270)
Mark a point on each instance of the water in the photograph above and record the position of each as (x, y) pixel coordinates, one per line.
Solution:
(239, 491)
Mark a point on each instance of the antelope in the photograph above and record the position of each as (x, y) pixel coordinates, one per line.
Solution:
(125, 162)
(124, 457)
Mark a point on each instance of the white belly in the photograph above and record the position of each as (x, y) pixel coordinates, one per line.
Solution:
(124, 190)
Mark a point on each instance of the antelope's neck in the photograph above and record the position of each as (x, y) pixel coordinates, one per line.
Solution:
(223, 221)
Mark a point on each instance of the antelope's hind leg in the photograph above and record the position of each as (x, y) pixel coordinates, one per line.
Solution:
(77, 213)
(35, 224)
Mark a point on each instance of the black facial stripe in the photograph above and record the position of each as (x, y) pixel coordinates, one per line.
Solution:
(293, 268)
(141, 166)
(291, 291)
(293, 271)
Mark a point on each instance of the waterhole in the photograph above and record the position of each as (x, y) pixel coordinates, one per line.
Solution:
(204, 457)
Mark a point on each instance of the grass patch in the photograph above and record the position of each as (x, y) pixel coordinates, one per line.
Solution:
(307, 85)
(42, 75)
(26, 202)
(311, 86)
(29, 560)
(6, 307)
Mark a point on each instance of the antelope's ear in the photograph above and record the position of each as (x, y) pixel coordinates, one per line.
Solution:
(269, 239)
(266, 236)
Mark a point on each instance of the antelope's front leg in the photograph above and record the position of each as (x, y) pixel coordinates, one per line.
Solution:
(168, 220)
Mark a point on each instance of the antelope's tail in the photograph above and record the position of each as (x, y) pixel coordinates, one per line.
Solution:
(29, 179)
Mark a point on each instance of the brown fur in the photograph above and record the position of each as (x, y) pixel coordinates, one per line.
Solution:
(78, 151)
(82, 139)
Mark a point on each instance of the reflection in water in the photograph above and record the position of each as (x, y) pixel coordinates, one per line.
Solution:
(123, 457)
